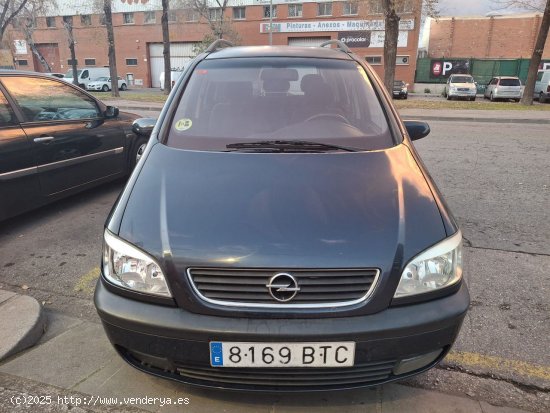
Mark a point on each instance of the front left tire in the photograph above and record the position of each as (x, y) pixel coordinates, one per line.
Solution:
(105, 88)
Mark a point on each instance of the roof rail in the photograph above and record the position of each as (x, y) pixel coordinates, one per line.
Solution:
(340, 45)
(218, 44)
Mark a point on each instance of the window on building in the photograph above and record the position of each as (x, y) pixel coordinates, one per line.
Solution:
(70, 62)
(324, 9)
(239, 13)
(215, 14)
(102, 20)
(149, 17)
(294, 10)
(172, 16)
(22, 62)
(128, 18)
(191, 15)
(350, 8)
(89, 62)
(374, 60)
(85, 20)
(375, 7)
(131, 62)
(404, 7)
(266, 12)
(50, 21)
(68, 20)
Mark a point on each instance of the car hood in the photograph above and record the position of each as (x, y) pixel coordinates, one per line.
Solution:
(330, 210)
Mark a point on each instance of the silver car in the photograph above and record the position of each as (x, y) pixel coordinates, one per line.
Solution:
(460, 86)
(504, 87)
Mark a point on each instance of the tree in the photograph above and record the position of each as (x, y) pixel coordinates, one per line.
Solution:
(107, 9)
(534, 5)
(9, 9)
(28, 27)
(219, 24)
(166, 47)
(68, 25)
(392, 11)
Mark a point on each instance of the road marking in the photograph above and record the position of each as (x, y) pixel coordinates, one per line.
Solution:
(498, 363)
(85, 283)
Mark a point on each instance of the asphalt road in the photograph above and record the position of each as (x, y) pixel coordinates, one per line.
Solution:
(496, 179)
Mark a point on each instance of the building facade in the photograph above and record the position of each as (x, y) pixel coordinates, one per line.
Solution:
(138, 34)
(495, 37)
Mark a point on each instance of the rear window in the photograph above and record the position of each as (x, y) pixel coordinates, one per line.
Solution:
(509, 82)
(462, 79)
(254, 99)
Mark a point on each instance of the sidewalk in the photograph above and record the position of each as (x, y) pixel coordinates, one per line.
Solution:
(76, 357)
(440, 115)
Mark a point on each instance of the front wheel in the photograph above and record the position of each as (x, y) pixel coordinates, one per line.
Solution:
(542, 98)
(137, 151)
(123, 86)
(105, 88)
(473, 99)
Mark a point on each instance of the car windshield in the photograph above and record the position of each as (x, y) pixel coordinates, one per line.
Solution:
(509, 82)
(70, 73)
(399, 83)
(462, 79)
(327, 101)
(102, 79)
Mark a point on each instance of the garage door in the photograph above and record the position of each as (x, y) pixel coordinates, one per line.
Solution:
(180, 54)
(307, 41)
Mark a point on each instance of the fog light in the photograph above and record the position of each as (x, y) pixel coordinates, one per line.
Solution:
(415, 363)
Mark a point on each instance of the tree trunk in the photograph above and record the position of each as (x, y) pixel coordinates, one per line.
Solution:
(40, 58)
(390, 43)
(166, 47)
(111, 40)
(527, 98)
(73, 54)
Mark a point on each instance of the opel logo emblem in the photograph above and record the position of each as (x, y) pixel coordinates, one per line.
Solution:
(283, 287)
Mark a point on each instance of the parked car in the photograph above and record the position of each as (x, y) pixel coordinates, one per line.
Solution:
(504, 87)
(264, 229)
(542, 86)
(400, 89)
(86, 75)
(103, 84)
(174, 76)
(460, 86)
(56, 140)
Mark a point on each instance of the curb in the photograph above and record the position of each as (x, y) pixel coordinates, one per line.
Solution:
(23, 322)
(406, 117)
(482, 120)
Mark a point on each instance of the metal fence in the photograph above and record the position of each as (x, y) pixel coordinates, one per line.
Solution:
(483, 70)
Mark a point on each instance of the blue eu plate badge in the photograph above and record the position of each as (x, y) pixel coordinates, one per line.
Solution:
(216, 353)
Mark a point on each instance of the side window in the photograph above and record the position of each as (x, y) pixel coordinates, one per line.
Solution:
(539, 76)
(7, 118)
(45, 100)
(85, 74)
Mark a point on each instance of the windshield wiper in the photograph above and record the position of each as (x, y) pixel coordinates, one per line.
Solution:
(289, 146)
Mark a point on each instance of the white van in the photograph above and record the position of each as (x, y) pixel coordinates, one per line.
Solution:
(87, 75)
(542, 86)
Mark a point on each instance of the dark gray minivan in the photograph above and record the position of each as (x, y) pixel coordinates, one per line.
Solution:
(280, 231)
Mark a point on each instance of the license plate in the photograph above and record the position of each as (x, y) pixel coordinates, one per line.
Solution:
(235, 354)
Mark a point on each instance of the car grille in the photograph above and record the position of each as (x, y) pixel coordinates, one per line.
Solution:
(463, 89)
(318, 288)
(358, 375)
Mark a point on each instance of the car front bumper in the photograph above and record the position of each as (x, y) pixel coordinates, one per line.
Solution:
(94, 88)
(173, 343)
(462, 94)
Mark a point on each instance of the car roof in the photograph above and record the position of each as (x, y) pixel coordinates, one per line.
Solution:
(279, 51)
(507, 77)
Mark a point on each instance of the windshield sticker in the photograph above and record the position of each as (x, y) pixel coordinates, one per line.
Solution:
(183, 124)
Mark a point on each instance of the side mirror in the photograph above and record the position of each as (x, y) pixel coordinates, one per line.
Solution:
(417, 129)
(144, 126)
(111, 112)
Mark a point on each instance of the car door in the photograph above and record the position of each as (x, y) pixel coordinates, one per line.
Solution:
(490, 87)
(72, 141)
(538, 83)
(19, 185)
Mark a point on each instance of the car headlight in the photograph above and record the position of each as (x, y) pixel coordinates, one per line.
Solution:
(438, 267)
(128, 267)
